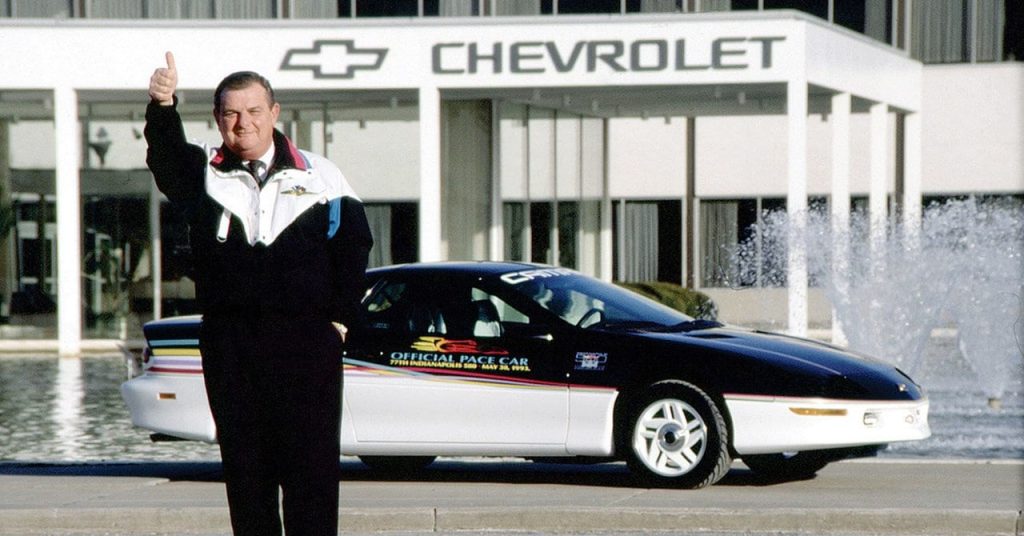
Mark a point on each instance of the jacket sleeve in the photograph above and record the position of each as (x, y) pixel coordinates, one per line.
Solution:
(350, 249)
(178, 167)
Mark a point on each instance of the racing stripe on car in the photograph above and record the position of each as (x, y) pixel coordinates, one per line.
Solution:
(355, 367)
(175, 356)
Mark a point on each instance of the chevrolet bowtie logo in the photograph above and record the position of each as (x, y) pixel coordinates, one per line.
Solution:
(334, 59)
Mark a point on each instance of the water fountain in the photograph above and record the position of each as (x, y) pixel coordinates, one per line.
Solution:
(960, 274)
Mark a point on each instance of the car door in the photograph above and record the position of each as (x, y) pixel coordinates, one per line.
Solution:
(448, 364)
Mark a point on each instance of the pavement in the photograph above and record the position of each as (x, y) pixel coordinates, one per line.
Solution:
(506, 496)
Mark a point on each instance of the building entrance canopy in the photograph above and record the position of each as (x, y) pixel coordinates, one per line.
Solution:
(778, 62)
(591, 58)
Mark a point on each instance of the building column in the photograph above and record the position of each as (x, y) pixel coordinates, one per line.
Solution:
(8, 275)
(496, 239)
(689, 230)
(156, 250)
(69, 232)
(430, 174)
(796, 206)
(606, 245)
(878, 205)
(912, 175)
(840, 203)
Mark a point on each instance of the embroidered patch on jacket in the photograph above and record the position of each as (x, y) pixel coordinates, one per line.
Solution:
(297, 190)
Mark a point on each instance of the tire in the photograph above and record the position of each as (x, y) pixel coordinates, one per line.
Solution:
(677, 437)
(788, 465)
(397, 464)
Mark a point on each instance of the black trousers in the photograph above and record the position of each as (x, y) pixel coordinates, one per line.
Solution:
(274, 386)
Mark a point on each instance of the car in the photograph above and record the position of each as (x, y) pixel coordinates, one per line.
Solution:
(523, 360)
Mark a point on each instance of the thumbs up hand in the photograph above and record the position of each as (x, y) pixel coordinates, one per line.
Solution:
(163, 82)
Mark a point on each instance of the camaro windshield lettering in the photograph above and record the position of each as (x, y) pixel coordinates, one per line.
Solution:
(516, 278)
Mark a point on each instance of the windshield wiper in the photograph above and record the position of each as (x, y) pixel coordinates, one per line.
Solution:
(645, 325)
(690, 325)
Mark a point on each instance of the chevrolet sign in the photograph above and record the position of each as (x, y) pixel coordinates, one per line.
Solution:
(334, 59)
(341, 58)
(643, 55)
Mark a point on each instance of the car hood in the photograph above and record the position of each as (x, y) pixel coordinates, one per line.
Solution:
(816, 353)
(849, 373)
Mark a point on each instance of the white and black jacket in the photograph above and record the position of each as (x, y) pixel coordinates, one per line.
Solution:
(296, 248)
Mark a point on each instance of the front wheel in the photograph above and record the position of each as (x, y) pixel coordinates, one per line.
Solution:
(678, 437)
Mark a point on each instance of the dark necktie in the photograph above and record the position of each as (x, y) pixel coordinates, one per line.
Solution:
(254, 167)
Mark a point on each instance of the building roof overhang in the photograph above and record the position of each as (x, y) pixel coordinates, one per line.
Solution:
(734, 63)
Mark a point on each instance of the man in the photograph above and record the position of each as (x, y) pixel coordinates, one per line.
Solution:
(280, 257)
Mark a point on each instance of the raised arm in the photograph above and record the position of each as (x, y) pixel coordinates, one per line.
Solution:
(177, 166)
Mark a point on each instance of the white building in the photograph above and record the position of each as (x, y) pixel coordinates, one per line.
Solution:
(629, 139)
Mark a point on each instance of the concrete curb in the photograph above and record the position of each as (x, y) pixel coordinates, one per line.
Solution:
(551, 520)
(811, 521)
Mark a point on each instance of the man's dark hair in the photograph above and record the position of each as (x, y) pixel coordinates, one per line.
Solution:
(241, 80)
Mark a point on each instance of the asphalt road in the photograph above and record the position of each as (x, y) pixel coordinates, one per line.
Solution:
(471, 497)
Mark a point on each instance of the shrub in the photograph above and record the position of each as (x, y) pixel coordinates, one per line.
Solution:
(689, 301)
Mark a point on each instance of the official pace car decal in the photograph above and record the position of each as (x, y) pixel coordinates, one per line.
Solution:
(460, 354)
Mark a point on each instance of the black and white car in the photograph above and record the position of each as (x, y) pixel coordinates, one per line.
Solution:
(512, 359)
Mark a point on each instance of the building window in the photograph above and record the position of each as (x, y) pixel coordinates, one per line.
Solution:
(648, 243)
(513, 7)
(395, 230)
(185, 9)
(314, 9)
(568, 7)
(963, 31)
(178, 9)
(540, 233)
(733, 251)
(247, 9)
(818, 8)
(392, 8)
(871, 18)
(37, 9)
(515, 227)
(655, 6)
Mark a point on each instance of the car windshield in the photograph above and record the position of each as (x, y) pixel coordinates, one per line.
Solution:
(586, 302)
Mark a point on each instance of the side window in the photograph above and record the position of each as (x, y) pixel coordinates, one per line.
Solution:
(397, 306)
(494, 315)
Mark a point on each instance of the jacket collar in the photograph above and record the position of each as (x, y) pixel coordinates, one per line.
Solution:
(286, 156)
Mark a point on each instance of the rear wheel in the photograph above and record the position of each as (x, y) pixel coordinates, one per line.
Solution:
(397, 464)
(678, 437)
(789, 464)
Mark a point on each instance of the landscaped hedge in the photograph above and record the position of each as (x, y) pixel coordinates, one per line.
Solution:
(689, 301)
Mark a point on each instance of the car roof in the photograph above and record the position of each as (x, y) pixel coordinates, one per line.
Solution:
(456, 268)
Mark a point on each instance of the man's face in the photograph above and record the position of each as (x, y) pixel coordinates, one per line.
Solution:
(246, 121)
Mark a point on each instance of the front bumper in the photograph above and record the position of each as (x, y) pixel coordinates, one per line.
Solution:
(766, 425)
